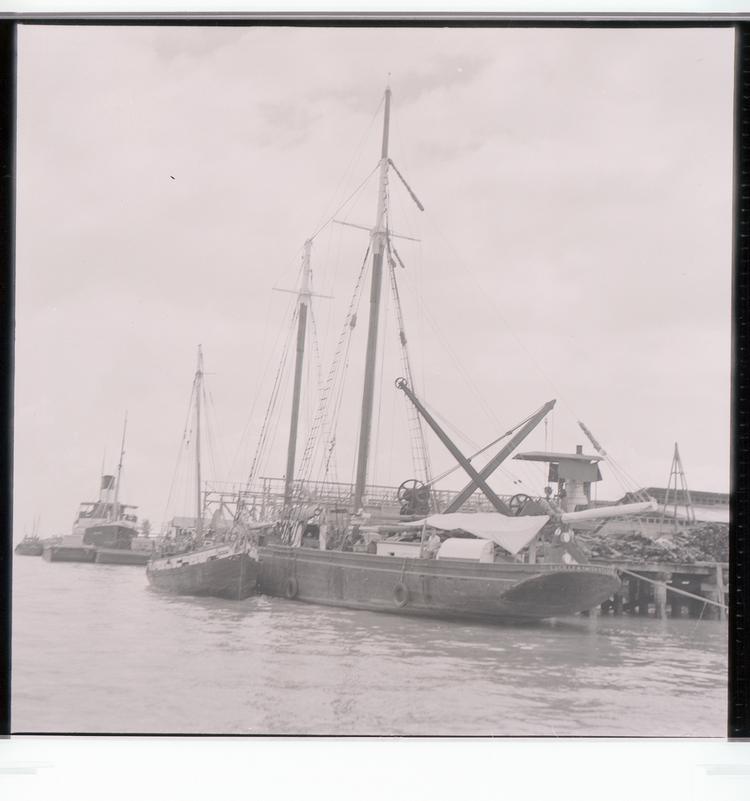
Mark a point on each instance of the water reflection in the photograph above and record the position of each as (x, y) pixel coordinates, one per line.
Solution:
(95, 649)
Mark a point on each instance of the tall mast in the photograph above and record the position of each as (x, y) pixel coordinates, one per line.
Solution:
(197, 389)
(304, 301)
(115, 506)
(378, 248)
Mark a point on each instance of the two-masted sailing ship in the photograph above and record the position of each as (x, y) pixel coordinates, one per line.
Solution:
(411, 550)
(195, 561)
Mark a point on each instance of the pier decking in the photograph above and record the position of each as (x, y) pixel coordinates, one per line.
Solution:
(695, 590)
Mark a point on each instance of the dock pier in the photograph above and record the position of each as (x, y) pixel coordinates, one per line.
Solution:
(697, 591)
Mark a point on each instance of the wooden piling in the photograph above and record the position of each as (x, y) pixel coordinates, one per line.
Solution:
(632, 594)
(617, 604)
(660, 594)
(720, 592)
(696, 608)
(678, 603)
(644, 592)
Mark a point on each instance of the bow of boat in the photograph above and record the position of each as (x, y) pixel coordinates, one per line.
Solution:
(561, 590)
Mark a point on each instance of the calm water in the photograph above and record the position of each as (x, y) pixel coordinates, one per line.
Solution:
(96, 650)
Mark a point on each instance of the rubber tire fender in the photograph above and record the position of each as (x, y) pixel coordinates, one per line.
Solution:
(401, 595)
(292, 588)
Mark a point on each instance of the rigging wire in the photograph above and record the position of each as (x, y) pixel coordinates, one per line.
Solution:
(272, 351)
(316, 349)
(264, 431)
(417, 440)
(502, 468)
(216, 456)
(214, 424)
(183, 443)
(263, 439)
(623, 477)
(454, 358)
(322, 422)
(332, 390)
(345, 203)
(337, 405)
(356, 153)
(424, 311)
(491, 297)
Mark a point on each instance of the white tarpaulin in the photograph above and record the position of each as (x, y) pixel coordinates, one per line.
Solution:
(511, 533)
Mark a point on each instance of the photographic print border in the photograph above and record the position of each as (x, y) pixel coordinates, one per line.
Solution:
(739, 652)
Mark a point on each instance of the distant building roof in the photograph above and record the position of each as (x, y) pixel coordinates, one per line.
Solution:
(549, 456)
(709, 507)
(698, 497)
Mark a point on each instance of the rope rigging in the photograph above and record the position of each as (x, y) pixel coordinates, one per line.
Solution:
(419, 453)
(262, 447)
(347, 171)
(212, 439)
(345, 203)
(320, 445)
(479, 452)
(324, 425)
(184, 441)
(265, 428)
(316, 349)
(184, 470)
(623, 477)
(626, 480)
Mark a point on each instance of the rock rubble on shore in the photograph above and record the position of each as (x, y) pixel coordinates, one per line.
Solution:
(704, 542)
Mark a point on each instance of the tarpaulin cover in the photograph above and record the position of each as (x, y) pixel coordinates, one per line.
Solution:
(511, 533)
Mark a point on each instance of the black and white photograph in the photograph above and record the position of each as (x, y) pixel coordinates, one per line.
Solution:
(372, 380)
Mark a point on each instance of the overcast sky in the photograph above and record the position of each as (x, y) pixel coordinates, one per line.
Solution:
(576, 243)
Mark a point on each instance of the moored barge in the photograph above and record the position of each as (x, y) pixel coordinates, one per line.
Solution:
(444, 588)
(70, 549)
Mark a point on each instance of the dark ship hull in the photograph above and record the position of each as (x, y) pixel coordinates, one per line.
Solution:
(442, 588)
(121, 556)
(110, 535)
(69, 553)
(217, 572)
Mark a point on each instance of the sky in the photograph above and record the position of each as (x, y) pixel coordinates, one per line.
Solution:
(575, 244)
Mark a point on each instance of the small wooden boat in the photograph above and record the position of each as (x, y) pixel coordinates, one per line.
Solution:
(220, 571)
(225, 570)
(30, 546)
